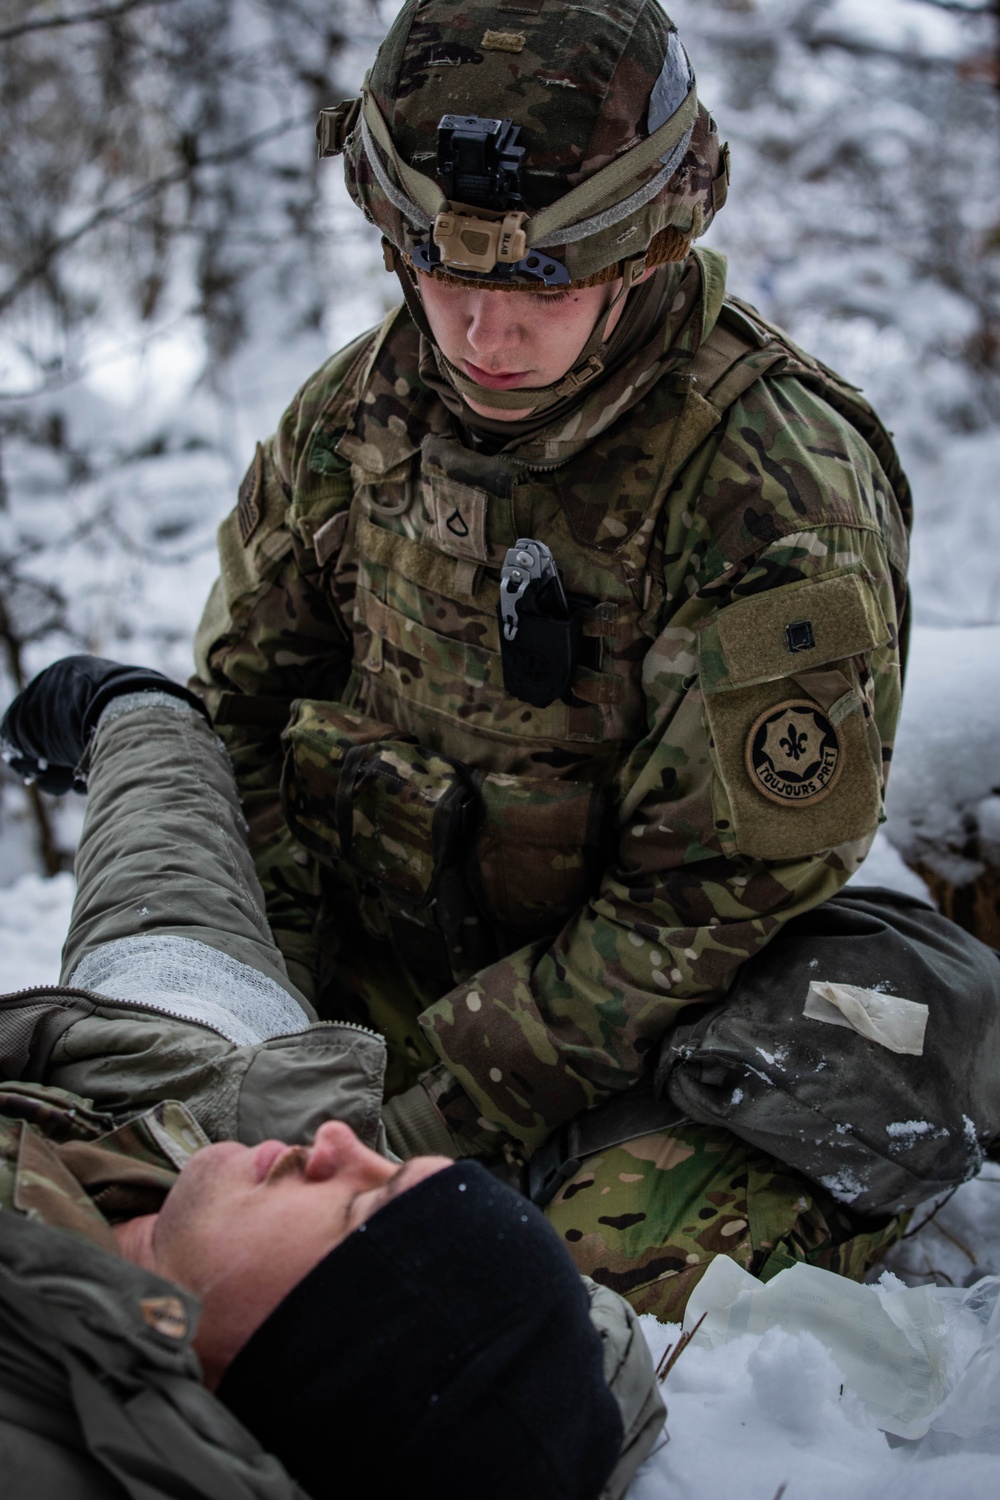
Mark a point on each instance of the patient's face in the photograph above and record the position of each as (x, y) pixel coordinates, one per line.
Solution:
(242, 1225)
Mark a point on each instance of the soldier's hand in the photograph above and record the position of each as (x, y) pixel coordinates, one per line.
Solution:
(46, 730)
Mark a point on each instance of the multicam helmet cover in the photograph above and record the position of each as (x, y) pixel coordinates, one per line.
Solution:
(572, 140)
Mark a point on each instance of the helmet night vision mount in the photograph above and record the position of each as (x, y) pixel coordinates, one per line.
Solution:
(482, 230)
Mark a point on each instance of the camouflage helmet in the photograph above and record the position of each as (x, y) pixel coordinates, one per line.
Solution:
(531, 140)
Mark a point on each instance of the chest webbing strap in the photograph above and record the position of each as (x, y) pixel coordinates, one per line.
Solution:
(732, 358)
(624, 1117)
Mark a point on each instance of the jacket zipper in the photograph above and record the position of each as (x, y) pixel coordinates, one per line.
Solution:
(95, 997)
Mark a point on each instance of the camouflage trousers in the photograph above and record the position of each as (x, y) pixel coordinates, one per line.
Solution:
(646, 1218)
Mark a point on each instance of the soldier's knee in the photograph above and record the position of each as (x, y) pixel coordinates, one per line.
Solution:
(647, 1218)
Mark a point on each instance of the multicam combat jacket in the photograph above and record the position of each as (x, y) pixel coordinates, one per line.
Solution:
(547, 888)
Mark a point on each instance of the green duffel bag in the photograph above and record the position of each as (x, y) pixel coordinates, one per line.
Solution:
(880, 1129)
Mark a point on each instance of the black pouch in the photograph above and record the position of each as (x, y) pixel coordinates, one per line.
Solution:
(356, 792)
(540, 629)
(394, 821)
(882, 1131)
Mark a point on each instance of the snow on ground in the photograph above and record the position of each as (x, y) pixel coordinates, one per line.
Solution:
(944, 790)
(884, 865)
(771, 1414)
(34, 917)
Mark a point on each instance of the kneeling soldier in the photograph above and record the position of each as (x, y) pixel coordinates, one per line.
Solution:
(558, 647)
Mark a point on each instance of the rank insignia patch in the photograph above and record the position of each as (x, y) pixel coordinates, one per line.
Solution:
(793, 754)
(250, 509)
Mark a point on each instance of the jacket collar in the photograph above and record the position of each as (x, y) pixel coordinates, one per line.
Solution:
(396, 410)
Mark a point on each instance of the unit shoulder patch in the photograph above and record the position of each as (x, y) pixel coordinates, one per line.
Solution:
(794, 755)
(250, 508)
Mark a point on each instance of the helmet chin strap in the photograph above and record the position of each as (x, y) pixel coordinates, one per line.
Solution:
(587, 366)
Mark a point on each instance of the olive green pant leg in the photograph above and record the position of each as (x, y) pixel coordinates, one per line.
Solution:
(648, 1217)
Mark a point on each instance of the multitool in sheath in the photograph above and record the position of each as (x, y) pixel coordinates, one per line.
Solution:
(540, 632)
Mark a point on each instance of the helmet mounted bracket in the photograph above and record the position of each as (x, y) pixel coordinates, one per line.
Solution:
(481, 229)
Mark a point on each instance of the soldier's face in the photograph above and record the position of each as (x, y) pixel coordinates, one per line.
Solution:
(242, 1225)
(508, 341)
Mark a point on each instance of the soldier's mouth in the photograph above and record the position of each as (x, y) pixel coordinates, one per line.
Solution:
(493, 381)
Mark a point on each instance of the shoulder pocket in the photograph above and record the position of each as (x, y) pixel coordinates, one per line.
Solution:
(796, 752)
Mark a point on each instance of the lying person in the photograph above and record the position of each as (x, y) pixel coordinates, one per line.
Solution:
(169, 926)
(369, 1322)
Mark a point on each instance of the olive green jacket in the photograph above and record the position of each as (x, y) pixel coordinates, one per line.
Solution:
(99, 1385)
(100, 1390)
(100, 1394)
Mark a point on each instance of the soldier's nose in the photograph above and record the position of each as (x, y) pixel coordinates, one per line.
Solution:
(492, 326)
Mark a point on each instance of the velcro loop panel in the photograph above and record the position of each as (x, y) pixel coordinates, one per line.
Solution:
(503, 41)
(408, 557)
(757, 642)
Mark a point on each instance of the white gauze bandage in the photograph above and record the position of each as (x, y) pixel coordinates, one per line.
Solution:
(185, 978)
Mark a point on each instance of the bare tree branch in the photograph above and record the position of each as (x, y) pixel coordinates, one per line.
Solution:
(52, 857)
(960, 7)
(115, 210)
(50, 23)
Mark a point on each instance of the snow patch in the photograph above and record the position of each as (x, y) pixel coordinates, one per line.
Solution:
(909, 1127)
(845, 1185)
(34, 919)
(944, 770)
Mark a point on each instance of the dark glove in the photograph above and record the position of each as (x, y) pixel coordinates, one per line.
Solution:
(47, 728)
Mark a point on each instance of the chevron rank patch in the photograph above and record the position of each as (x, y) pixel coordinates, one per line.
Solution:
(794, 754)
(250, 508)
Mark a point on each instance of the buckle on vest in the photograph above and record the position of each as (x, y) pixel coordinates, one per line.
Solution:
(580, 376)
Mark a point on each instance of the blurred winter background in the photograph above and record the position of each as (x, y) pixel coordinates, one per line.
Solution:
(174, 261)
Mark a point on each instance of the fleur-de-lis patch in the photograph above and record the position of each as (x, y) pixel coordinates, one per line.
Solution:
(794, 754)
(793, 743)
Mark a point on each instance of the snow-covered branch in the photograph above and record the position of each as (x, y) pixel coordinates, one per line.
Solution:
(42, 262)
(78, 18)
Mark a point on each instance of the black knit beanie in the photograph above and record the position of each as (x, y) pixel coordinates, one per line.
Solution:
(444, 1348)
